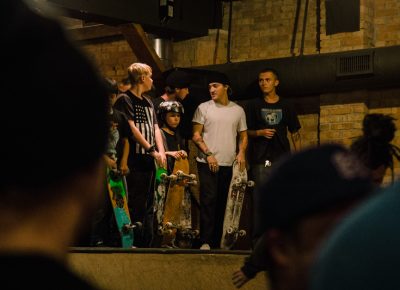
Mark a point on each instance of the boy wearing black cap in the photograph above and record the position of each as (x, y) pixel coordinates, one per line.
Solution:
(216, 124)
(294, 213)
(176, 88)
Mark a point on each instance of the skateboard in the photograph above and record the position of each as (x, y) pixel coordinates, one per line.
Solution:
(160, 190)
(117, 190)
(176, 225)
(234, 204)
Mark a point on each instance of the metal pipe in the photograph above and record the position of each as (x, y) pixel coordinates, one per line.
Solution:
(303, 33)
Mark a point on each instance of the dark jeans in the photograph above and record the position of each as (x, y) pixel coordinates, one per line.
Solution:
(141, 204)
(214, 189)
(104, 230)
(259, 174)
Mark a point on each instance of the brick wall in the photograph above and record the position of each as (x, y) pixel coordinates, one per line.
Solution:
(262, 29)
(112, 57)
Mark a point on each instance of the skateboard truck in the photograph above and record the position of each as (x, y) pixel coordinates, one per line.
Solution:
(127, 227)
(231, 230)
(180, 175)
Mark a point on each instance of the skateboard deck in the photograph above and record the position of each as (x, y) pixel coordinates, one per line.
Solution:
(160, 190)
(117, 190)
(176, 220)
(234, 204)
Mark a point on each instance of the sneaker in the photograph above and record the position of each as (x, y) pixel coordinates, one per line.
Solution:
(205, 247)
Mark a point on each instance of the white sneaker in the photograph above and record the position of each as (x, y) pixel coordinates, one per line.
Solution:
(205, 247)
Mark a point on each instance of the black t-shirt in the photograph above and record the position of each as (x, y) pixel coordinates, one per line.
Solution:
(141, 112)
(174, 143)
(123, 129)
(280, 116)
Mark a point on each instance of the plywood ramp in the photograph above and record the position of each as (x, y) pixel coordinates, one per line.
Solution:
(161, 269)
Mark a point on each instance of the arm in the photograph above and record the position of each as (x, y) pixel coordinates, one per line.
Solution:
(160, 155)
(296, 140)
(124, 158)
(253, 264)
(111, 163)
(198, 140)
(180, 154)
(241, 156)
(138, 136)
(267, 133)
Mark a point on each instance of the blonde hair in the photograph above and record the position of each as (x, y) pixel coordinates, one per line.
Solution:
(136, 70)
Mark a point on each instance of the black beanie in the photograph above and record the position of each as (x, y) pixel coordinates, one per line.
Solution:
(218, 77)
(178, 79)
(309, 182)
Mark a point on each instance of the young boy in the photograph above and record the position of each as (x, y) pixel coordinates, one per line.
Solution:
(169, 114)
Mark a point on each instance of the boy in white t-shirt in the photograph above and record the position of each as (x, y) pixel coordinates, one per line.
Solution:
(216, 124)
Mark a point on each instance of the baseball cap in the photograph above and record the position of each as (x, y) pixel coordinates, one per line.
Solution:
(308, 182)
(218, 77)
(178, 79)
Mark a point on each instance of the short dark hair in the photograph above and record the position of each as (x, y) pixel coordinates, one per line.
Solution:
(111, 85)
(268, 69)
(58, 125)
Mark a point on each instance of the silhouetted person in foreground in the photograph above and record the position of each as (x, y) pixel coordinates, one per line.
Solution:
(305, 197)
(54, 134)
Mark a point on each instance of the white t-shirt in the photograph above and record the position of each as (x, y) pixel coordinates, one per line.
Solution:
(221, 125)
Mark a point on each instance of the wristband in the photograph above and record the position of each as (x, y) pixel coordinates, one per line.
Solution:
(152, 148)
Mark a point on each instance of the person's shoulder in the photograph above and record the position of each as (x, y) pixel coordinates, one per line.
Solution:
(255, 101)
(235, 105)
(206, 104)
(285, 101)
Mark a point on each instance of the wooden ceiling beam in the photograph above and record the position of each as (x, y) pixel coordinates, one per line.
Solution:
(141, 47)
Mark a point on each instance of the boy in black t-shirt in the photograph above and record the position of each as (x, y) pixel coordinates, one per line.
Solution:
(169, 114)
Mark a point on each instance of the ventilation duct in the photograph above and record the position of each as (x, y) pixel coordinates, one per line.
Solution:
(316, 74)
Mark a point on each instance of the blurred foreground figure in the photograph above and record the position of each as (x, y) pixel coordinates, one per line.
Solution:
(54, 134)
(362, 253)
(306, 195)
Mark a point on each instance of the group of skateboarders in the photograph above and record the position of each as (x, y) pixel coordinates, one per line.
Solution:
(149, 135)
(43, 212)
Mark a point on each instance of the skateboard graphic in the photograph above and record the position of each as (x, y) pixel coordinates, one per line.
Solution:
(234, 205)
(176, 225)
(117, 190)
(160, 191)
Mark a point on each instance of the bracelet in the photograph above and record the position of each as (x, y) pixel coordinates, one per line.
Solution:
(152, 148)
(208, 153)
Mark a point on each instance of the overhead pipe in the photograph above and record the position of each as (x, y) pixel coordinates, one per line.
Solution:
(312, 74)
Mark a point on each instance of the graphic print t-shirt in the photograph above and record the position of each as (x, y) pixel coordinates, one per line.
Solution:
(280, 116)
(142, 113)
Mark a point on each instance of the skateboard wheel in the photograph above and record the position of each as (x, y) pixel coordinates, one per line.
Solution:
(250, 183)
(163, 176)
(138, 225)
(168, 224)
(194, 182)
(173, 177)
(238, 180)
(229, 230)
(242, 233)
(193, 176)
